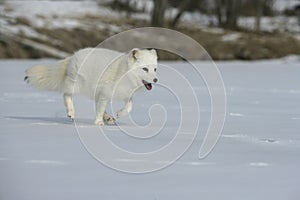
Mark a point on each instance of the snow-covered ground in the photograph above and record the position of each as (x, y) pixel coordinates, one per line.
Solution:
(285, 4)
(269, 24)
(48, 14)
(32, 24)
(257, 156)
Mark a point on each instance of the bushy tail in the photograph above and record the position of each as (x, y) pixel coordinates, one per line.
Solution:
(48, 78)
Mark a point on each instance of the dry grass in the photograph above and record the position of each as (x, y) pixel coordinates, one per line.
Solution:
(250, 46)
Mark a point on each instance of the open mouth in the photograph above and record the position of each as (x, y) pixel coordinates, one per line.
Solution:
(147, 85)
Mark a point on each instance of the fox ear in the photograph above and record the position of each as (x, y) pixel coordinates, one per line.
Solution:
(135, 53)
(153, 51)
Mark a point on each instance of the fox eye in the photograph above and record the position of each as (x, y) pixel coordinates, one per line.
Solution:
(154, 69)
(146, 69)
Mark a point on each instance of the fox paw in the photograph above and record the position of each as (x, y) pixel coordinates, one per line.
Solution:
(109, 119)
(99, 122)
(71, 116)
(122, 113)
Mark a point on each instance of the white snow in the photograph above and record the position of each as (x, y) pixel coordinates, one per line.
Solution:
(259, 164)
(46, 162)
(236, 115)
(285, 4)
(34, 8)
(231, 37)
(257, 156)
(270, 24)
(72, 14)
(53, 14)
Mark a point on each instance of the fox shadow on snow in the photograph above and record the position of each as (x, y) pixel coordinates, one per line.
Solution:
(50, 120)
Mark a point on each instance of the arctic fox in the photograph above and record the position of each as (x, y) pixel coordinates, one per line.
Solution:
(100, 74)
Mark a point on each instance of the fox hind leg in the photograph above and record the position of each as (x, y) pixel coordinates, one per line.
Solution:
(126, 110)
(68, 101)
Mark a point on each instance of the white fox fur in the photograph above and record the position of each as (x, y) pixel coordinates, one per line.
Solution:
(48, 78)
(99, 74)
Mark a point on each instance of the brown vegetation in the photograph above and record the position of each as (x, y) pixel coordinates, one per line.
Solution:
(249, 46)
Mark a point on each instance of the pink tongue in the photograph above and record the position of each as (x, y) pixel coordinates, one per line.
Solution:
(148, 86)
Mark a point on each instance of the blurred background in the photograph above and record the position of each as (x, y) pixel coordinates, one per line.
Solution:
(227, 29)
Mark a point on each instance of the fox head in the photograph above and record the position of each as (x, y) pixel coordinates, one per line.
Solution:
(143, 63)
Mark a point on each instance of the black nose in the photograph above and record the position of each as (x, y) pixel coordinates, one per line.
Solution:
(155, 80)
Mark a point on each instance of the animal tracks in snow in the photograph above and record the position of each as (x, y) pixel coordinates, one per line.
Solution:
(261, 141)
